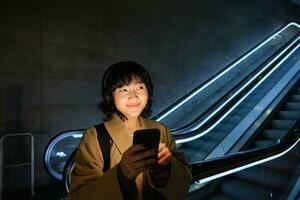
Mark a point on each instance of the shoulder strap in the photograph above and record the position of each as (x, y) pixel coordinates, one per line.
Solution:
(104, 144)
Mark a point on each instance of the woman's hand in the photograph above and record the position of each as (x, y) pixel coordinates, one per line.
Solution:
(137, 159)
(161, 172)
(164, 154)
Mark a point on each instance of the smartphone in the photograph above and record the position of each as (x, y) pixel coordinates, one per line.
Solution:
(149, 137)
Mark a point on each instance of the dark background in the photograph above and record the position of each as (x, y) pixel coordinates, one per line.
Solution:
(53, 54)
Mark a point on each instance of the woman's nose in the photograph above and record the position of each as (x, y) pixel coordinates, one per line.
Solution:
(132, 94)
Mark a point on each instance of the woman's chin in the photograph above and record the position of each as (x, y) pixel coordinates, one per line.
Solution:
(133, 114)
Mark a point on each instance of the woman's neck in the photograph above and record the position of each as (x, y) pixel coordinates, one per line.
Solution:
(133, 123)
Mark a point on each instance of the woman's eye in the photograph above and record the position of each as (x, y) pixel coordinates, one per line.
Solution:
(140, 87)
(122, 90)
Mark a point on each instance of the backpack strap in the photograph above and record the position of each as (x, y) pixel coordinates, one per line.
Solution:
(104, 144)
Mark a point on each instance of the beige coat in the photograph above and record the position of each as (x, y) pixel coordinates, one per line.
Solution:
(90, 183)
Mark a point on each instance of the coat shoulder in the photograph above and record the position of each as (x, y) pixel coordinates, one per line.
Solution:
(89, 137)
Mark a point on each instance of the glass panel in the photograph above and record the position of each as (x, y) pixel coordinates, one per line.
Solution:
(59, 150)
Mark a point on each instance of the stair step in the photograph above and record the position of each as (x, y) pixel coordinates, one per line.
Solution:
(217, 135)
(262, 143)
(240, 111)
(264, 177)
(283, 124)
(252, 99)
(200, 144)
(274, 134)
(231, 120)
(287, 114)
(242, 190)
(223, 127)
(295, 152)
(194, 155)
(247, 105)
(292, 106)
(295, 98)
(285, 164)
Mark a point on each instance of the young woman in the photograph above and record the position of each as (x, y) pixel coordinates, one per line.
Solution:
(126, 91)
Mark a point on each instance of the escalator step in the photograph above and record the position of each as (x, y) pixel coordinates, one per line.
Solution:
(217, 135)
(208, 146)
(203, 146)
(285, 164)
(295, 152)
(289, 114)
(197, 156)
(221, 197)
(293, 106)
(262, 143)
(200, 144)
(283, 124)
(252, 99)
(274, 134)
(231, 119)
(191, 145)
(193, 155)
(247, 104)
(264, 177)
(295, 98)
(235, 116)
(223, 127)
(240, 111)
(242, 190)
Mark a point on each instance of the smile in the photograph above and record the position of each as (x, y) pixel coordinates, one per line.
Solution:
(133, 105)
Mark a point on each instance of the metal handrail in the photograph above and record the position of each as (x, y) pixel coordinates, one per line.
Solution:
(208, 170)
(31, 163)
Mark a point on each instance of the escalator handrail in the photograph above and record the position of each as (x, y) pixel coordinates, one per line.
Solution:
(230, 97)
(204, 130)
(208, 170)
(220, 73)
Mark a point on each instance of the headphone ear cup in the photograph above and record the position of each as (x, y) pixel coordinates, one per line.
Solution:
(105, 78)
(107, 98)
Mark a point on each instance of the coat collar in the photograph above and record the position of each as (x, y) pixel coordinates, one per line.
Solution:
(120, 135)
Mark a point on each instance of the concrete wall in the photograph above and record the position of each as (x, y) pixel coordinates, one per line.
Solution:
(53, 53)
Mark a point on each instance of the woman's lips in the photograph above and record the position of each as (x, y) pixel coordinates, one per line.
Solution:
(133, 105)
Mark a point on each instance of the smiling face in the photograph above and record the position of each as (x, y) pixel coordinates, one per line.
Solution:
(131, 99)
(127, 90)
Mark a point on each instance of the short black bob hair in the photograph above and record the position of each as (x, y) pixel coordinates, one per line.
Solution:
(119, 75)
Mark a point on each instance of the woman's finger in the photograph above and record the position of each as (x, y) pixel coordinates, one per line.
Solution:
(161, 146)
(165, 159)
(163, 153)
(144, 155)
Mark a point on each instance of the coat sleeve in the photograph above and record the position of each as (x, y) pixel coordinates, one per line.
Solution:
(88, 181)
(180, 176)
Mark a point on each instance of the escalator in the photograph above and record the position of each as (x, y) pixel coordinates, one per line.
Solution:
(275, 179)
(222, 135)
(195, 106)
(267, 181)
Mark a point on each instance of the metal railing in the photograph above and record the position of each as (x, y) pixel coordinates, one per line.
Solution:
(24, 164)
